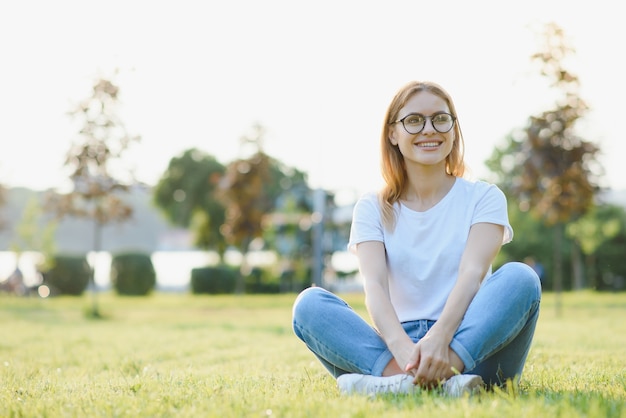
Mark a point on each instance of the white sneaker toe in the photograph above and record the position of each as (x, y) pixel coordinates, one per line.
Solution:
(373, 385)
(460, 384)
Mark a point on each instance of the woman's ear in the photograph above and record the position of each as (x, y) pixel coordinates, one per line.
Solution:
(391, 136)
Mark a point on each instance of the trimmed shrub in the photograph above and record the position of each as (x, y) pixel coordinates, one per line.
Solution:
(213, 280)
(262, 281)
(132, 274)
(69, 275)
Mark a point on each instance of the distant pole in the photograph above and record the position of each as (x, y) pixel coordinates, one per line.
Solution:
(319, 209)
(558, 269)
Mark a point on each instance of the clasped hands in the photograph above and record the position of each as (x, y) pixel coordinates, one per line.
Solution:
(429, 362)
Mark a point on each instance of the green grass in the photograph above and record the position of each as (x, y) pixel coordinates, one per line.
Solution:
(171, 355)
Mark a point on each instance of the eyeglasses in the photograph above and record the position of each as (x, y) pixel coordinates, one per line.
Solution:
(414, 122)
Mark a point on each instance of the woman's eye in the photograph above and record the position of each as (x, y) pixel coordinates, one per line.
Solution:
(415, 120)
(441, 119)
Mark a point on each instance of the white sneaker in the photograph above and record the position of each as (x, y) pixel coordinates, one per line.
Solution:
(371, 385)
(460, 384)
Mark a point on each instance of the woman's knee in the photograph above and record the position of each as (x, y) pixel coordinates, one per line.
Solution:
(307, 302)
(523, 276)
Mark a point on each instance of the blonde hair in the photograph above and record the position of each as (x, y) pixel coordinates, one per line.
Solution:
(392, 162)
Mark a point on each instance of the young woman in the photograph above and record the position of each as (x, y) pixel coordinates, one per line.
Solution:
(425, 244)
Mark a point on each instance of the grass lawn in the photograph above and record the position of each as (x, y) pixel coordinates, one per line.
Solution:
(179, 355)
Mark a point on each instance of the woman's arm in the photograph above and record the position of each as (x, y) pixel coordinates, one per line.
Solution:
(431, 359)
(373, 268)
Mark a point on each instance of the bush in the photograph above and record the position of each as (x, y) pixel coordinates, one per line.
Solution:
(262, 281)
(69, 275)
(213, 280)
(133, 274)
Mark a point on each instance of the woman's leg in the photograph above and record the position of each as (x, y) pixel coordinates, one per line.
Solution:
(342, 340)
(494, 337)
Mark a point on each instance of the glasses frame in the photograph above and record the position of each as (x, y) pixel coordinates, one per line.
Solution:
(431, 122)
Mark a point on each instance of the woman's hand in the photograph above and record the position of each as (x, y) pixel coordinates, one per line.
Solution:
(430, 361)
(402, 354)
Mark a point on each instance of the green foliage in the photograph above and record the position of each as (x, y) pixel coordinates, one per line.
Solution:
(69, 275)
(232, 205)
(34, 233)
(284, 179)
(534, 240)
(182, 355)
(222, 279)
(224, 204)
(132, 274)
(601, 234)
(600, 224)
(186, 195)
(297, 277)
(610, 266)
(261, 281)
(288, 231)
(213, 280)
(607, 261)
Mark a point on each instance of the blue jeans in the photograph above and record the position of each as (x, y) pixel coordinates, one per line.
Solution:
(493, 339)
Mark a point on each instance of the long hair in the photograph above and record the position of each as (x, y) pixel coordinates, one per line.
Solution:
(392, 162)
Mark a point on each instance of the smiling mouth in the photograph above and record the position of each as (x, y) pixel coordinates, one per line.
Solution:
(432, 144)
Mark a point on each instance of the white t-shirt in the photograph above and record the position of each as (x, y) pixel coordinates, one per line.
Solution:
(424, 250)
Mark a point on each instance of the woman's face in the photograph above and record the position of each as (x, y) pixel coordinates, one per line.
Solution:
(427, 147)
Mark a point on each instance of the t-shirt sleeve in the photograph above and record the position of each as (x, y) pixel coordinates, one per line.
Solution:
(366, 222)
(492, 208)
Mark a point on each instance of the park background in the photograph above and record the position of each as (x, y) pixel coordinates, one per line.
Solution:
(312, 80)
(194, 79)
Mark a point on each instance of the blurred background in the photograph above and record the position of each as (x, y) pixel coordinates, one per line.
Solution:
(219, 146)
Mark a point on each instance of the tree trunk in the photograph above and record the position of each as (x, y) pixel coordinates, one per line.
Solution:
(244, 268)
(592, 272)
(578, 272)
(97, 243)
(558, 267)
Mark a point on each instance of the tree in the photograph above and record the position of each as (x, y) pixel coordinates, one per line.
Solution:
(249, 190)
(289, 231)
(186, 195)
(552, 171)
(609, 257)
(246, 201)
(35, 234)
(599, 226)
(92, 160)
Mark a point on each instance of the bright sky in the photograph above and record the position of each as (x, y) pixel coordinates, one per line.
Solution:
(317, 75)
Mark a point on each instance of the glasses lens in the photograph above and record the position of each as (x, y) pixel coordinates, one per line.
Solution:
(442, 122)
(414, 123)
